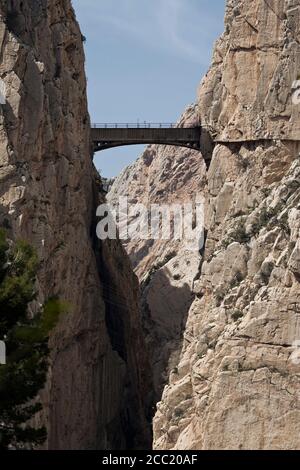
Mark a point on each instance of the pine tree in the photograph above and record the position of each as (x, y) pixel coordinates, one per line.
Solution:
(26, 339)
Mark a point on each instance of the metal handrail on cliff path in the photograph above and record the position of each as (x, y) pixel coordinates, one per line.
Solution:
(137, 125)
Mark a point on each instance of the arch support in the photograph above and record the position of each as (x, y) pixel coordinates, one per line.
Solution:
(109, 137)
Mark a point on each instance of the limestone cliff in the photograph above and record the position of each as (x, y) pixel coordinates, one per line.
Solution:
(246, 95)
(222, 325)
(95, 394)
(166, 269)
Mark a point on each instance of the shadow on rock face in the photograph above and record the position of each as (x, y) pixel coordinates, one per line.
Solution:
(165, 305)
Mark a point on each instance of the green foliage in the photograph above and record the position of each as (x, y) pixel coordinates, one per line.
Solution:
(37, 329)
(26, 341)
(266, 191)
(3, 250)
(178, 413)
(243, 163)
(264, 218)
(157, 266)
(236, 280)
(283, 223)
(18, 267)
(164, 261)
(239, 235)
(237, 314)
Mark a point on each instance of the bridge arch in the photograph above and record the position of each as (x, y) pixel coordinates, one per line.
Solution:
(105, 136)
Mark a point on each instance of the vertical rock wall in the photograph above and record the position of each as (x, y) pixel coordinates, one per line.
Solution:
(237, 385)
(234, 382)
(166, 269)
(48, 196)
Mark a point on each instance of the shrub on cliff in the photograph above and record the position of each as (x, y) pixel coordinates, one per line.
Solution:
(26, 342)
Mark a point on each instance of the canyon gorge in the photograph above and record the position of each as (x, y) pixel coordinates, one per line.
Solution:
(164, 346)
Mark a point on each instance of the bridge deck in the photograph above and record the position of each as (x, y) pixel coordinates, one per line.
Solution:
(106, 136)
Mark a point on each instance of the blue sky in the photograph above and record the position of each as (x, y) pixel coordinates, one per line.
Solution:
(144, 60)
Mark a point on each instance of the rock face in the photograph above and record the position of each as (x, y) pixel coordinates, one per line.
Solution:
(236, 385)
(228, 354)
(247, 93)
(222, 324)
(166, 268)
(94, 398)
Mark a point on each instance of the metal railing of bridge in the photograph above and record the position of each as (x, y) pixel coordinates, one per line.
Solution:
(137, 125)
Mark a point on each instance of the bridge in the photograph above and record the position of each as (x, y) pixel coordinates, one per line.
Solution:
(105, 136)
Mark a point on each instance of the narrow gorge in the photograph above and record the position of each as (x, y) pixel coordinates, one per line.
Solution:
(164, 347)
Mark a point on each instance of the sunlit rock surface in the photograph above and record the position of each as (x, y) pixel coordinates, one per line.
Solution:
(231, 376)
(95, 395)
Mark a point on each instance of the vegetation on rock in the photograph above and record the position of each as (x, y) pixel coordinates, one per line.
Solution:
(26, 340)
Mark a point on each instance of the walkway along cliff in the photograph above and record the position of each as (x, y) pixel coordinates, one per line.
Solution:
(212, 353)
